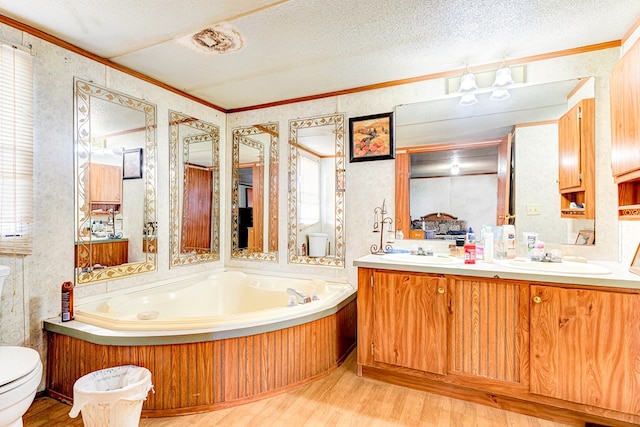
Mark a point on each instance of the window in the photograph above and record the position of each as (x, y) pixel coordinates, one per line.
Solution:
(16, 150)
(309, 191)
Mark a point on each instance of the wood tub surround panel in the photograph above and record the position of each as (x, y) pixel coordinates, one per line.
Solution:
(562, 352)
(487, 332)
(209, 375)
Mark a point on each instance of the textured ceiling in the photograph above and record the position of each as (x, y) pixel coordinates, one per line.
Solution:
(300, 48)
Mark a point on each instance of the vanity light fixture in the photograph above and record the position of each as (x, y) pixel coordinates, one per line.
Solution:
(467, 86)
(502, 81)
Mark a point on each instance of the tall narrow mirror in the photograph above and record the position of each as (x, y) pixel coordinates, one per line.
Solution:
(317, 190)
(195, 190)
(254, 192)
(115, 171)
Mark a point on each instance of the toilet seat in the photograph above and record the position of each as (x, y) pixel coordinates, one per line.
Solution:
(18, 365)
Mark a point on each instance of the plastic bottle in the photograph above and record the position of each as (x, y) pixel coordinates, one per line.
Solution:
(469, 253)
(460, 248)
(488, 246)
(471, 236)
(509, 239)
(67, 301)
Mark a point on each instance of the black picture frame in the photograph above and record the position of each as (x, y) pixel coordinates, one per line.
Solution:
(371, 138)
(132, 163)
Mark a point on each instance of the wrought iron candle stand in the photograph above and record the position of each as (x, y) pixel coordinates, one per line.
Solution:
(380, 219)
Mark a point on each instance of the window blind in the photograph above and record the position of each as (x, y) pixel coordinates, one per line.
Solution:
(16, 151)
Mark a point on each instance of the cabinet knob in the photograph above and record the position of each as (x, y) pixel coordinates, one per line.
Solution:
(537, 299)
(441, 290)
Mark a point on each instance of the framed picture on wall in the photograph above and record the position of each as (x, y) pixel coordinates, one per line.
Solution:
(132, 163)
(635, 262)
(371, 137)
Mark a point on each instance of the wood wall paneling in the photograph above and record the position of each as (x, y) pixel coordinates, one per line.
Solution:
(211, 375)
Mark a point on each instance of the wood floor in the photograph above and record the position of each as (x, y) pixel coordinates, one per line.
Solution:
(340, 399)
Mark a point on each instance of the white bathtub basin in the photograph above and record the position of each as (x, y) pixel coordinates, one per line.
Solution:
(565, 267)
(436, 259)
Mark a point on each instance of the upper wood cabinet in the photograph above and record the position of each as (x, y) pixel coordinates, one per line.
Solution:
(625, 132)
(585, 347)
(410, 321)
(105, 185)
(576, 161)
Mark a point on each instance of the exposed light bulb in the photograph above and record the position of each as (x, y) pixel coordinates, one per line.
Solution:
(455, 169)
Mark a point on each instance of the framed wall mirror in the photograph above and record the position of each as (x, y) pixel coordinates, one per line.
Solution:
(434, 135)
(254, 192)
(115, 217)
(194, 190)
(317, 191)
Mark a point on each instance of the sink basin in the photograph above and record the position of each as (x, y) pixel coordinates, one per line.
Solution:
(565, 267)
(436, 259)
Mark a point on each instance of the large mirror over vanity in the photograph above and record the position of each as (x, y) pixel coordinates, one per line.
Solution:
(491, 163)
(194, 168)
(115, 179)
(317, 191)
(254, 192)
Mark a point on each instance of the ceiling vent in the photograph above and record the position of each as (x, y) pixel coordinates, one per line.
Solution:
(219, 38)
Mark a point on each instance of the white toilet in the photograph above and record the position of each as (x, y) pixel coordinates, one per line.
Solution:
(20, 376)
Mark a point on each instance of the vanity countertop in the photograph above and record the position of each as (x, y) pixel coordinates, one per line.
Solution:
(95, 240)
(618, 277)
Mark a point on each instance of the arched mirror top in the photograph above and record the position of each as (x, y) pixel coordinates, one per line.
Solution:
(194, 190)
(115, 175)
(254, 192)
(317, 191)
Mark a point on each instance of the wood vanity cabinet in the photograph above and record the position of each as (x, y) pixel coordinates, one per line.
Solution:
(107, 253)
(409, 321)
(625, 132)
(488, 329)
(576, 160)
(564, 352)
(585, 347)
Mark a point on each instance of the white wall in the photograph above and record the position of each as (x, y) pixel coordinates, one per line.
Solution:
(32, 292)
(472, 198)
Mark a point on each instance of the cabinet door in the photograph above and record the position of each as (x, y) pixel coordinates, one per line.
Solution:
(410, 321)
(488, 331)
(625, 111)
(585, 347)
(569, 159)
(106, 184)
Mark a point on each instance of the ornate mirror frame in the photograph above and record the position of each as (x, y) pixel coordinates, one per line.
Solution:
(337, 122)
(249, 136)
(84, 92)
(179, 146)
